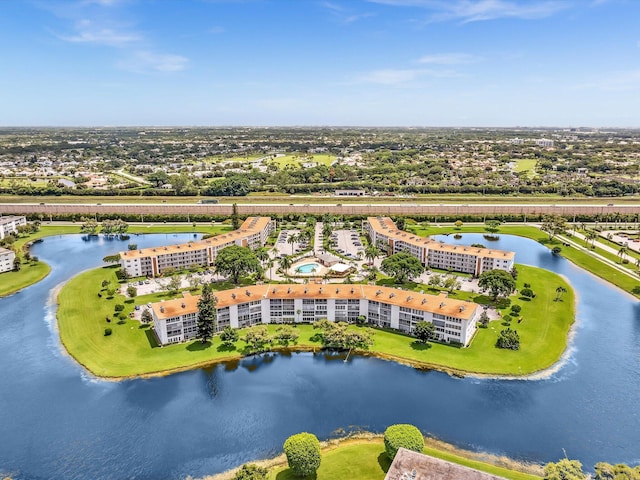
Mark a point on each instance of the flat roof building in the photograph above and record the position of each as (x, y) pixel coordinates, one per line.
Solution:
(385, 235)
(455, 320)
(253, 233)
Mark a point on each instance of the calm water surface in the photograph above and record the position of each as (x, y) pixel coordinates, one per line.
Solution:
(58, 422)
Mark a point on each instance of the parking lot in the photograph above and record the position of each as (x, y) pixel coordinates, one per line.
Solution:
(347, 243)
(283, 247)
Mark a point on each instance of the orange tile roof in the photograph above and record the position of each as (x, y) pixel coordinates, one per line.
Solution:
(386, 226)
(419, 301)
(251, 226)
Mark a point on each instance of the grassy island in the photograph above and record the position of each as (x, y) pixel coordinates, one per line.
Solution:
(131, 350)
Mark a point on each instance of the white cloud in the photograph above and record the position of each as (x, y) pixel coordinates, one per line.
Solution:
(478, 10)
(144, 61)
(448, 59)
(343, 15)
(615, 81)
(88, 32)
(399, 77)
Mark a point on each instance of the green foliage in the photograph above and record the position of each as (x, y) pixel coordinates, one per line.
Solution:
(553, 225)
(229, 336)
(303, 453)
(424, 331)
(107, 332)
(556, 250)
(515, 309)
(492, 226)
(231, 186)
(257, 338)
(286, 334)
(402, 435)
(527, 292)
(132, 291)
(236, 261)
(508, 339)
(111, 258)
(484, 319)
(339, 335)
(606, 471)
(118, 307)
(402, 266)
(497, 282)
(565, 469)
(146, 316)
(206, 314)
(251, 471)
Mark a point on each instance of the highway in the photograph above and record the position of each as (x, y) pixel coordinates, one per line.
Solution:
(408, 209)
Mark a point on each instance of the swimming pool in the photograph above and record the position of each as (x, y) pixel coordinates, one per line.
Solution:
(308, 267)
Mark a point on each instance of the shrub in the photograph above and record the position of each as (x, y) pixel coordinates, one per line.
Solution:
(527, 292)
(119, 307)
(251, 471)
(107, 332)
(508, 339)
(515, 309)
(303, 453)
(402, 435)
(506, 318)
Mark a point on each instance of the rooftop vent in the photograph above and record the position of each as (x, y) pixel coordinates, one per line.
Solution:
(306, 290)
(391, 295)
(462, 308)
(233, 295)
(378, 292)
(274, 290)
(184, 305)
(409, 298)
(442, 304)
(161, 309)
(352, 290)
(320, 291)
(289, 290)
(424, 300)
(337, 290)
(248, 293)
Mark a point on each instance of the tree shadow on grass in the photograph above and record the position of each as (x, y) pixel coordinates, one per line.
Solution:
(225, 347)
(384, 462)
(198, 346)
(420, 346)
(524, 299)
(288, 475)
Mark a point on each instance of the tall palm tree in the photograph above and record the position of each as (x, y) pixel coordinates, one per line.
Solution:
(371, 252)
(327, 229)
(285, 264)
(292, 238)
(622, 252)
(270, 263)
(559, 292)
(262, 254)
(592, 235)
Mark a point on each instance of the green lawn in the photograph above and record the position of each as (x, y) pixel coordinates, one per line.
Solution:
(296, 160)
(580, 258)
(368, 461)
(131, 350)
(30, 273)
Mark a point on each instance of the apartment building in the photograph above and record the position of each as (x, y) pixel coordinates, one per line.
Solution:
(10, 225)
(455, 320)
(6, 260)
(385, 235)
(253, 233)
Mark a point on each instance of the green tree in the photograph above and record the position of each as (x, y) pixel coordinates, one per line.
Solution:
(285, 264)
(291, 239)
(402, 435)
(424, 331)
(229, 336)
(174, 283)
(620, 471)
(451, 283)
(111, 258)
(484, 319)
(17, 264)
(565, 469)
(236, 261)
(89, 226)
(508, 339)
(257, 338)
(497, 282)
(553, 225)
(458, 224)
(303, 453)
(559, 292)
(371, 252)
(132, 291)
(206, 314)
(286, 334)
(492, 226)
(146, 316)
(527, 292)
(402, 266)
(235, 219)
(251, 471)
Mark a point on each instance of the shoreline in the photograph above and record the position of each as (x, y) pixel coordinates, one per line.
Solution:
(365, 437)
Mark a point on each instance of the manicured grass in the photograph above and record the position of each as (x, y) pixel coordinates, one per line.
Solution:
(30, 273)
(580, 258)
(131, 349)
(368, 461)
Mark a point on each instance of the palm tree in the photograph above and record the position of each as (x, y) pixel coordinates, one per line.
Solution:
(270, 263)
(559, 292)
(262, 254)
(285, 264)
(592, 235)
(622, 252)
(371, 252)
(292, 238)
(326, 230)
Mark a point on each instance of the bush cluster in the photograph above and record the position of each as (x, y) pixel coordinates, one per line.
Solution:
(402, 435)
(303, 453)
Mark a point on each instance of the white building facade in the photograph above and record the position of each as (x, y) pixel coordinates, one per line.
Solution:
(253, 233)
(455, 320)
(7, 258)
(383, 233)
(10, 225)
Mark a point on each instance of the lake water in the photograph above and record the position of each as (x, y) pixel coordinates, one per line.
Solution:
(58, 422)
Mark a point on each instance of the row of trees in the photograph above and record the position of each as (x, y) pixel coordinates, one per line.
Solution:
(566, 469)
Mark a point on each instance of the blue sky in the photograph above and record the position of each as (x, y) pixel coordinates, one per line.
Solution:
(308, 62)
